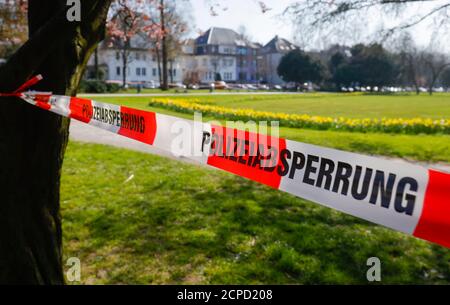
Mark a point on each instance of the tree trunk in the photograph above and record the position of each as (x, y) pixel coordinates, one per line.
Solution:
(158, 59)
(417, 89)
(96, 72)
(165, 57)
(124, 68)
(433, 81)
(171, 72)
(33, 141)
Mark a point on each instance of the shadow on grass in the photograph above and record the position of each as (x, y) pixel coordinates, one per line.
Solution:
(185, 224)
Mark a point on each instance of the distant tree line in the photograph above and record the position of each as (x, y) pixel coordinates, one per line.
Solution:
(368, 66)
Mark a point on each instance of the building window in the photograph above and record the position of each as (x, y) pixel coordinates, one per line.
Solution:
(174, 72)
(138, 71)
(118, 71)
(154, 71)
(144, 71)
(117, 56)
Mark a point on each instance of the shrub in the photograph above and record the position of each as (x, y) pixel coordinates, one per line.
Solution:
(112, 88)
(98, 86)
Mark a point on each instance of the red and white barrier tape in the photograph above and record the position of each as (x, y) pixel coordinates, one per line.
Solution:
(395, 194)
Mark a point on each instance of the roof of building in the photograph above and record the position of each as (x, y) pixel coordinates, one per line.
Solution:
(222, 36)
(279, 45)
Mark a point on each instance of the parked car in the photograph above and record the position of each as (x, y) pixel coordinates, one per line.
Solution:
(220, 85)
(193, 86)
(204, 86)
(234, 86)
(149, 85)
(177, 86)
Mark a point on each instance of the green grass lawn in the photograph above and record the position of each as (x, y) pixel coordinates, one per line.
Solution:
(436, 106)
(430, 148)
(180, 223)
(344, 105)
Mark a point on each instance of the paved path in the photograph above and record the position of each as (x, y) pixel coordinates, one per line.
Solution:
(85, 133)
(89, 134)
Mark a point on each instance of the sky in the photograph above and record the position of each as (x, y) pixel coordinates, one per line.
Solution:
(263, 27)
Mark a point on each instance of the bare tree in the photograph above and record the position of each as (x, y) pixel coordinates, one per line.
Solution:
(243, 32)
(340, 18)
(411, 62)
(165, 28)
(445, 78)
(436, 64)
(122, 28)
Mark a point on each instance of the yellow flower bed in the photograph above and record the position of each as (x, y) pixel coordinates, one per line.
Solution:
(392, 125)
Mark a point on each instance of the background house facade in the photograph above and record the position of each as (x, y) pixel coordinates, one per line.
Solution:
(218, 53)
(142, 63)
(271, 55)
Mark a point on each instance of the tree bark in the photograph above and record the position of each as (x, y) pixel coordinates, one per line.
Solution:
(171, 72)
(96, 72)
(33, 141)
(165, 57)
(158, 58)
(124, 68)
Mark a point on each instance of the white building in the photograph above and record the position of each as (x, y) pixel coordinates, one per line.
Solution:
(142, 66)
(208, 66)
(217, 52)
